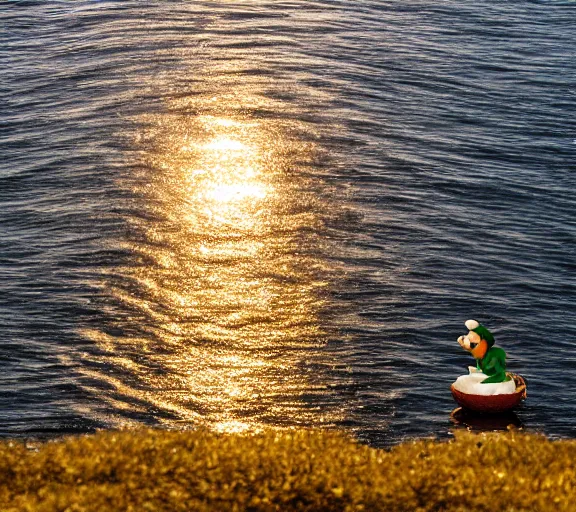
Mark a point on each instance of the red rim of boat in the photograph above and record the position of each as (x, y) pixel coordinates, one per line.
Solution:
(492, 403)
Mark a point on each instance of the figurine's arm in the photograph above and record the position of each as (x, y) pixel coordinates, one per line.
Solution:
(495, 368)
(492, 365)
(497, 377)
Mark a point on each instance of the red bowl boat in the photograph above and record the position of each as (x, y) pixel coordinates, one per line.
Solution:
(492, 403)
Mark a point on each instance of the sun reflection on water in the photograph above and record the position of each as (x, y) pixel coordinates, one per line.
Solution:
(222, 295)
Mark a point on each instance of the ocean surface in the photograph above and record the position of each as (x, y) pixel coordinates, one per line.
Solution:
(245, 215)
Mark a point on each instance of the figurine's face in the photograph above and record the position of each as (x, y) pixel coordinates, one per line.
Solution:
(474, 344)
(470, 341)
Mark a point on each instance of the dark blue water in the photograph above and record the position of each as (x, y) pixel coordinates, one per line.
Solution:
(264, 214)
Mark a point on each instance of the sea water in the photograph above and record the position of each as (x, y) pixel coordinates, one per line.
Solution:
(276, 214)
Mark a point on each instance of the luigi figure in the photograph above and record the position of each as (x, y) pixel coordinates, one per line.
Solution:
(490, 360)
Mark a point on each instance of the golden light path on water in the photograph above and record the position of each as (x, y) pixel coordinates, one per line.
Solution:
(224, 291)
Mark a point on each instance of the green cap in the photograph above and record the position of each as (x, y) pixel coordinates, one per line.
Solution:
(481, 331)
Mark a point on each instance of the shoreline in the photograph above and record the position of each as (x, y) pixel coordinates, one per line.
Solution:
(289, 470)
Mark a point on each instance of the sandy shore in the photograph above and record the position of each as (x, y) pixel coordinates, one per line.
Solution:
(284, 471)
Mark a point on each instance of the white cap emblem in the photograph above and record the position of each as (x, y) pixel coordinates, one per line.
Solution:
(471, 324)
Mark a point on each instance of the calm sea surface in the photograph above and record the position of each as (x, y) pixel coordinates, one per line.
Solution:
(274, 214)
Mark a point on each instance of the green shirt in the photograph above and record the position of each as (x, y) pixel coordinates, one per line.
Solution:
(493, 364)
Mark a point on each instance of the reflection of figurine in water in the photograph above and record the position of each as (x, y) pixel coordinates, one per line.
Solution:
(462, 417)
(490, 360)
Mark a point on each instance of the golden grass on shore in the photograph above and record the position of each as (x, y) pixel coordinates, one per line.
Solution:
(285, 471)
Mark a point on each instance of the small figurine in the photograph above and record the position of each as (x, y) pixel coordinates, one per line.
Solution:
(487, 387)
(490, 360)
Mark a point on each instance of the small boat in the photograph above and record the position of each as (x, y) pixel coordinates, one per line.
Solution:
(492, 403)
